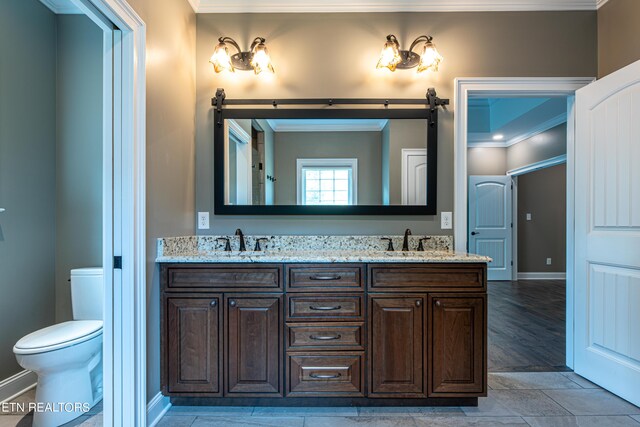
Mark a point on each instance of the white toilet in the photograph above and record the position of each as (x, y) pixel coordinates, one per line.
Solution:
(67, 357)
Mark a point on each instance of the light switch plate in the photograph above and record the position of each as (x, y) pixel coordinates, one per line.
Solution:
(203, 220)
(548, 261)
(528, 217)
(446, 220)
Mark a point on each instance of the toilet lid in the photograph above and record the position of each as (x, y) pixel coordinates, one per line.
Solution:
(58, 336)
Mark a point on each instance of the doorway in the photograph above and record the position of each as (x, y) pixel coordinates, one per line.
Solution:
(544, 89)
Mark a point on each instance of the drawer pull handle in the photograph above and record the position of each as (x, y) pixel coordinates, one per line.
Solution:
(232, 303)
(438, 304)
(213, 303)
(325, 376)
(325, 337)
(323, 308)
(333, 277)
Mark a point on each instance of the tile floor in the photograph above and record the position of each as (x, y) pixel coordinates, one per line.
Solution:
(538, 399)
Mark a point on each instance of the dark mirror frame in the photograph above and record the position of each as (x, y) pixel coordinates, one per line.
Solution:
(426, 109)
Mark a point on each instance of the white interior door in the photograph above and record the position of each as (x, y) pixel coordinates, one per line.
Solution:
(414, 176)
(490, 223)
(607, 233)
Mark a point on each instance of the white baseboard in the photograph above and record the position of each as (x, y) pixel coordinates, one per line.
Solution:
(16, 385)
(156, 408)
(542, 276)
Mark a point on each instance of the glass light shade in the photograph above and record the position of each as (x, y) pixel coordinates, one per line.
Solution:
(430, 58)
(390, 56)
(221, 59)
(261, 61)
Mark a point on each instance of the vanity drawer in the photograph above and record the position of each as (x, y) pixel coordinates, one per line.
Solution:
(325, 374)
(328, 308)
(319, 277)
(225, 276)
(325, 336)
(412, 277)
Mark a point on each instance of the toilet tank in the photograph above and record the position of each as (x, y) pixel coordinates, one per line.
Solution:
(87, 293)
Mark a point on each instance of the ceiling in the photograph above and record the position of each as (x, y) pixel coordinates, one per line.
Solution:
(516, 119)
(337, 6)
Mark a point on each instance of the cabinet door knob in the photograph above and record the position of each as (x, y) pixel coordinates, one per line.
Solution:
(214, 303)
(438, 303)
(233, 303)
(418, 303)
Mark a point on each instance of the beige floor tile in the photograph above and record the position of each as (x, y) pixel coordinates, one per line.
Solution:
(248, 422)
(305, 411)
(359, 422)
(470, 421)
(408, 411)
(530, 381)
(211, 411)
(488, 407)
(592, 402)
(176, 421)
(584, 421)
(529, 402)
(582, 382)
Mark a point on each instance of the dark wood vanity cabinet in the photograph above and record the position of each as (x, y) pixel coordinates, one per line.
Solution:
(378, 331)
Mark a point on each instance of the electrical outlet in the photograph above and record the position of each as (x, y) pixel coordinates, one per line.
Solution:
(446, 220)
(203, 220)
(548, 261)
(528, 217)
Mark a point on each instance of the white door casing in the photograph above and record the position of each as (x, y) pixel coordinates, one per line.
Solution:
(414, 176)
(490, 223)
(607, 233)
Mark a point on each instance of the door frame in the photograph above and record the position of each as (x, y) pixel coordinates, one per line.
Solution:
(516, 87)
(124, 214)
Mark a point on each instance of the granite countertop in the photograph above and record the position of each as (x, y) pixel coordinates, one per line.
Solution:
(311, 249)
(320, 256)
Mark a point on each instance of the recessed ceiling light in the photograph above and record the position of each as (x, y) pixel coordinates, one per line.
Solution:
(498, 137)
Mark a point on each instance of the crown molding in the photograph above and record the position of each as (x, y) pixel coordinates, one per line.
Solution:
(343, 126)
(600, 3)
(536, 130)
(341, 6)
(62, 7)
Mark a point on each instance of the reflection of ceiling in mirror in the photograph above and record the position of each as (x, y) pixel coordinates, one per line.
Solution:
(327, 125)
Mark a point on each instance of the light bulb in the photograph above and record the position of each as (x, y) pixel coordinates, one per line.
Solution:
(221, 59)
(261, 61)
(390, 56)
(430, 58)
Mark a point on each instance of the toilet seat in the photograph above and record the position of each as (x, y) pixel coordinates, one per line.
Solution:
(58, 336)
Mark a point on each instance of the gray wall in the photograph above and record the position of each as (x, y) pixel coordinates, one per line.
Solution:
(543, 194)
(78, 152)
(27, 173)
(545, 145)
(170, 66)
(497, 161)
(618, 43)
(364, 146)
(473, 44)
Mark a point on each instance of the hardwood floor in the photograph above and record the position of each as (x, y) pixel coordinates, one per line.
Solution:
(527, 326)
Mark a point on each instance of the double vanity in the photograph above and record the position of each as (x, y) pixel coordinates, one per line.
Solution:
(322, 320)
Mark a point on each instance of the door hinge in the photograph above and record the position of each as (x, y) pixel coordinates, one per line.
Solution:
(511, 225)
(511, 262)
(117, 262)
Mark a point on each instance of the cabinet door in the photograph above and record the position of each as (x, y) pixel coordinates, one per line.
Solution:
(193, 343)
(396, 346)
(458, 345)
(254, 345)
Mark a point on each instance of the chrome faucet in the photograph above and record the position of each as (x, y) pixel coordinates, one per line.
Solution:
(242, 246)
(405, 242)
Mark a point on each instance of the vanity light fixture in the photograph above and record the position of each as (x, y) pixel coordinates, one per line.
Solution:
(256, 58)
(393, 57)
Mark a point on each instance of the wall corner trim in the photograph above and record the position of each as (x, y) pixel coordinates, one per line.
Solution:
(157, 408)
(558, 160)
(16, 385)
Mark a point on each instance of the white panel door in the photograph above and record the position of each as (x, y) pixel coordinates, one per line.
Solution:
(607, 233)
(490, 223)
(414, 176)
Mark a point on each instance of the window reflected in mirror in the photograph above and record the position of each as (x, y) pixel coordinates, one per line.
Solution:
(373, 162)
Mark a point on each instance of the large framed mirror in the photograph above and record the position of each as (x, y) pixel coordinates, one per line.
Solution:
(326, 156)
